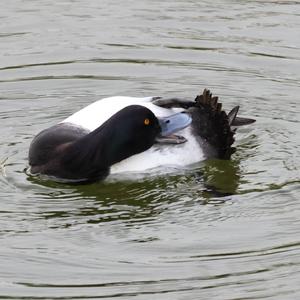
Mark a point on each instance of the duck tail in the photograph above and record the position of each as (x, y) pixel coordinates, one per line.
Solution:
(214, 125)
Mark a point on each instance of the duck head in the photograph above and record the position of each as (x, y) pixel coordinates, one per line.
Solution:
(145, 128)
(135, 128)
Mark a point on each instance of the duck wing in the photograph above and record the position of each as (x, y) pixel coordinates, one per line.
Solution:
(172, 102)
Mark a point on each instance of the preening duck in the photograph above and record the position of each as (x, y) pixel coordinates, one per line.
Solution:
(129, 134)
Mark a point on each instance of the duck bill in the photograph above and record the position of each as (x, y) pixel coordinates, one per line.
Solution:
(170, 125)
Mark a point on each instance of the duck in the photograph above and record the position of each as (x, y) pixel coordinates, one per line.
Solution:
(123, 134)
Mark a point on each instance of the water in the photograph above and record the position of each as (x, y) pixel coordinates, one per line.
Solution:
(222, 230)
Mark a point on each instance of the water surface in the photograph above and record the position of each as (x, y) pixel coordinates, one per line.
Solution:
(222, 230)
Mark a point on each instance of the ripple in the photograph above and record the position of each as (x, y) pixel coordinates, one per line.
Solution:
(38, 65)
(295, 246)
(3, 35)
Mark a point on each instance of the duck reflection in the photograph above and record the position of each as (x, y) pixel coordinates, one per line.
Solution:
(128, 201)
(221, 177)
(142, 200)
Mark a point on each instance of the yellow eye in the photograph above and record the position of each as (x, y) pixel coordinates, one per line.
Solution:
(147, 121)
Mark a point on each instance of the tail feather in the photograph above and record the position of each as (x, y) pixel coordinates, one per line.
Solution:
(213, 124)
(238, 121)
(232, 115)
(234, 120)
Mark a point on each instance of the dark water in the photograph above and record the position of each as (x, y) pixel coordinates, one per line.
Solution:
(223, 230)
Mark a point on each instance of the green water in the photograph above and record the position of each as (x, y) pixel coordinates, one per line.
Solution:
(221, 230)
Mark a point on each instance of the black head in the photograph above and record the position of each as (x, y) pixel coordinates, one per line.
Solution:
(132, 130)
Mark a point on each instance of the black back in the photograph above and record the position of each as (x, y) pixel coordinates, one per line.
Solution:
(44, 146)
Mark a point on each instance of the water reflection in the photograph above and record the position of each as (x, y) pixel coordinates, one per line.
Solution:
(222, 177)
(137, 201)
